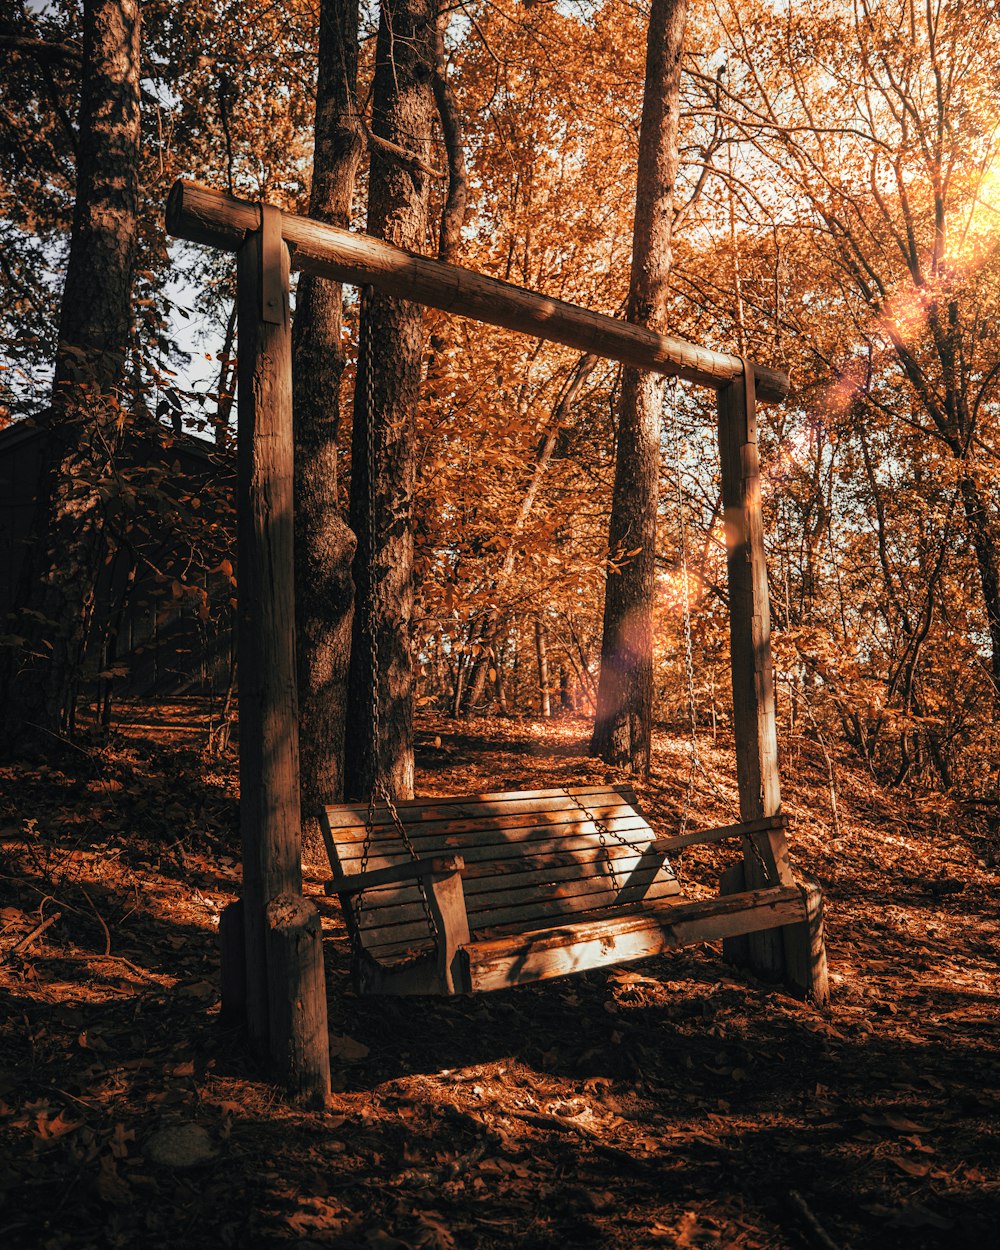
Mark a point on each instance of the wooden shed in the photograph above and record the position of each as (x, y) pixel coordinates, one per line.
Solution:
(162, 619)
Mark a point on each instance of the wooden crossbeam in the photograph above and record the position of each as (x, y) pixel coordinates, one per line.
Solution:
(203, 215)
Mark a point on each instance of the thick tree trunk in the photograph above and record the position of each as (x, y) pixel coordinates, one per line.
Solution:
(988, 562)
(83, 425)
(324, 545)
(625, 694)
(385, 404)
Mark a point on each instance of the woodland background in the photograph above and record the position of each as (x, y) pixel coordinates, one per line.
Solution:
(837, 216)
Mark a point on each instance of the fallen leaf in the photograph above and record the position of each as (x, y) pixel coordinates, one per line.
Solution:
(119, 1141)
(902, 1125)
(88, 1040)
(51, 1128)
(110, 1186)
(346, 1048)
(892, 1119)
(912, 1167)
(911, 1215)
(199, 989)
(379, 1239)
(434, 1233)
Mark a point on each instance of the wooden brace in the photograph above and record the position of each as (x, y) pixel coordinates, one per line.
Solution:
(416, 870)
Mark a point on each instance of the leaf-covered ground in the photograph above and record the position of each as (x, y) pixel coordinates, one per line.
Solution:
(669, 1103)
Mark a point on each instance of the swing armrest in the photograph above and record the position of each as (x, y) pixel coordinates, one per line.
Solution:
(663, 846)
(416, 870)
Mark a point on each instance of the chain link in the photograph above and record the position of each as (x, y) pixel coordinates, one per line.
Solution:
(603, 833)
(364, 377)
(371, 470)
(751, 841)
(670, 410)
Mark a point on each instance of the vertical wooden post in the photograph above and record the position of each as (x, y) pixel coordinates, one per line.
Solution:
(299, 1037)
(765, 856)
(268, 733)
(233, 958)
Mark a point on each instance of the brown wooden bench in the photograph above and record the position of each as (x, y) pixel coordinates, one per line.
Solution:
(518, 887)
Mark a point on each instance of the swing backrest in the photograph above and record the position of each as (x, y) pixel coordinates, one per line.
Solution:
(533, 859)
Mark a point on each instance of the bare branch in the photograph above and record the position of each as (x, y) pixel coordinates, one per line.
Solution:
(44, 50)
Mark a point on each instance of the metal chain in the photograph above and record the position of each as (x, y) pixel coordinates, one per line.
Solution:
(670, 411)
(378, 787)
(371, 470)
(761, 862)
(603, 833)
(363, 376)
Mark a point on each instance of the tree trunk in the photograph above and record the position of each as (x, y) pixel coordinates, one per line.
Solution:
(988, 562)
(84, 422)
(453, 215)
(542, 655)
(567, 703)
(384, 440)
(625, 694)
(227, 384)
(501, 685)
(324, 545)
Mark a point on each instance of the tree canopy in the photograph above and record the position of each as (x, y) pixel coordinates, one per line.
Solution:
(835, 214)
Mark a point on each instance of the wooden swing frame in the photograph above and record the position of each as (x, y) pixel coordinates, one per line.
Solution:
(272, 949)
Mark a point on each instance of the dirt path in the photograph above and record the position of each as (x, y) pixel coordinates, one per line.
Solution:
(673, 1102)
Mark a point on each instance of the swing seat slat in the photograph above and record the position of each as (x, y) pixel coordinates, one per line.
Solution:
(602, 940)
(522, 888)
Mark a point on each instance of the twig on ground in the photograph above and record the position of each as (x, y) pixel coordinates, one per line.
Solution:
(31, 937)
(65, 1094)
(100, 921)
(44, 896)
(544, 1120)
(115, 959)
(819, 1233)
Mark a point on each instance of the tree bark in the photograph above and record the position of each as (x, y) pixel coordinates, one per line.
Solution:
(324, 545)
(542, 656)
(215, 219)
(384, 408)
(299, 1036)
(453, 216)
(625, 693)
(268, 706)
(84, 422)
(984, 544)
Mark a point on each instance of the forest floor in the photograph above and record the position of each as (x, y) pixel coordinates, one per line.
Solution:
(674, 1102)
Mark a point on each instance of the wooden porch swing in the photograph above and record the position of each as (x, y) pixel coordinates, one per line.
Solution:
(494, 890)
(476, 892)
